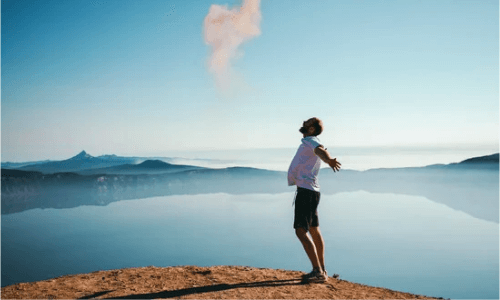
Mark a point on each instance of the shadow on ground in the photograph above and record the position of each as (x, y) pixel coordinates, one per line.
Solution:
(203, 289)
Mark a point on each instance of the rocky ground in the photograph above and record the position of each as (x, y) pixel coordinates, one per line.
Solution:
(191, 282)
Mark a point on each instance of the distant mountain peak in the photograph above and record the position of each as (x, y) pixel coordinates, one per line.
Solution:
(82, 155)
(482, 159)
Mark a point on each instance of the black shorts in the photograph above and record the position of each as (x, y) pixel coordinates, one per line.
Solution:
(306, 209)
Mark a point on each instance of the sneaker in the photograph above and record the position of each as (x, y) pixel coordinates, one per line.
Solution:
(312, 273)
(316, 276)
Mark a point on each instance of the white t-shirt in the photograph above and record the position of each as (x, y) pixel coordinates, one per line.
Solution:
(304, 169)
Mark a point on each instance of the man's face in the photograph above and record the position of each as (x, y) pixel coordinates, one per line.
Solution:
(305, 126)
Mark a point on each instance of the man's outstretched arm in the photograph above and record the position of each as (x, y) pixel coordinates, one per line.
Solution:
(321, 152)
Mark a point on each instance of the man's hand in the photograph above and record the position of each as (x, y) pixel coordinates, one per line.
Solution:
(321, 152)
(334, 164)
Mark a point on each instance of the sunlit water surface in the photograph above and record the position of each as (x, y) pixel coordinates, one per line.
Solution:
(404, 243)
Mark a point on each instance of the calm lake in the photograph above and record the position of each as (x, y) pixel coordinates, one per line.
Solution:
(405, 243)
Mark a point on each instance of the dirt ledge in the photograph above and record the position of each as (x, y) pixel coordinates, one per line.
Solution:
(192, 282)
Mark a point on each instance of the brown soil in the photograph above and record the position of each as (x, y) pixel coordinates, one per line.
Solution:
(188, 282)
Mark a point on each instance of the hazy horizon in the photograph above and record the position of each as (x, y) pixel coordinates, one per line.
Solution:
(352, 158)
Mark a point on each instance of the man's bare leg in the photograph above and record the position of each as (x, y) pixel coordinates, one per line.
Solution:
(319, 245)
(309, 246)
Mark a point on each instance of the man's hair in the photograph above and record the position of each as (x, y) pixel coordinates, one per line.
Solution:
(318, 126)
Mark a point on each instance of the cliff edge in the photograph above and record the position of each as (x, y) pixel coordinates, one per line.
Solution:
(188, 282)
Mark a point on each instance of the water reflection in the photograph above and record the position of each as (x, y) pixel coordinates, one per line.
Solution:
(404, 243)
(474, 191)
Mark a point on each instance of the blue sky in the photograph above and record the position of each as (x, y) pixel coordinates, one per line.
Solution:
(131, 78)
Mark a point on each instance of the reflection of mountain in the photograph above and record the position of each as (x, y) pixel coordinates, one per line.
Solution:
(470, 186)
(472, 191)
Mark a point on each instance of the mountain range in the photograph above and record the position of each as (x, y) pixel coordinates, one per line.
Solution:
(146, 167)
(79, 162)
(86, 164)
(470, 186)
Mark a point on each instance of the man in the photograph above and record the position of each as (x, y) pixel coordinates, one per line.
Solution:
(303, 173)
